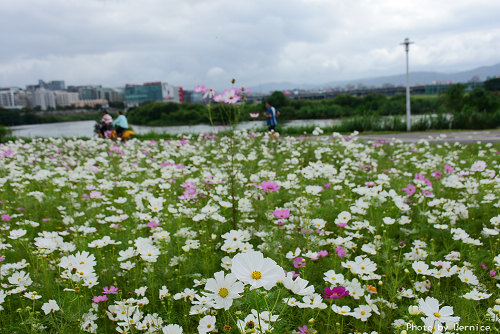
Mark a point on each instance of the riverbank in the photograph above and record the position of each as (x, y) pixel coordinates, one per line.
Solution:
(84, 129)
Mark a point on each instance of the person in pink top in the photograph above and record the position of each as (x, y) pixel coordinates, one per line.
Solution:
(105, 124)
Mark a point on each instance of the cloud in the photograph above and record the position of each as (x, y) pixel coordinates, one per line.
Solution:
(113, 42)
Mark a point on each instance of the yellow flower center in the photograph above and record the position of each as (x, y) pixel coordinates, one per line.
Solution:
(437, 315)
(256, 275)
(223, 292)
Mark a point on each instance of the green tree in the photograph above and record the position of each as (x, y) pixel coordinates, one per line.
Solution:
(482, 100)
(454, 98)
(277, 99)
(346, 100)
(492, 84)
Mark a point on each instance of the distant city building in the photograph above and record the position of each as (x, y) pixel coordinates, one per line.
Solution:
(192, 97)
(8, 98)
(152, 91)
(44, 99)
(111, 94)
(52, 85)
(89, 92)
(66, 99)
(91, 103)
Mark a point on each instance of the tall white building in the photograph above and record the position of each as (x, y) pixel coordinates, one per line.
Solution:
(65, 99)
(8, 98)
(44, 99)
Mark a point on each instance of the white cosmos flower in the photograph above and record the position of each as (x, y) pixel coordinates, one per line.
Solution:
(254, 269)
(16, 234)
(298, 286)
(388, 220)
(476, 295)
(50, 306)
(172, 329)
(430, 308)
(206, 324)
(223, 289)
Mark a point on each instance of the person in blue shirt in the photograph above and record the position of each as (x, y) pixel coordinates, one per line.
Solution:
(120, 123)
(271, 115)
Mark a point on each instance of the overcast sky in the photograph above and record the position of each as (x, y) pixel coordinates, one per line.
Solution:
(189, 42)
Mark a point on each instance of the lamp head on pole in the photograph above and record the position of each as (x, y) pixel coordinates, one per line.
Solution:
(406, 43)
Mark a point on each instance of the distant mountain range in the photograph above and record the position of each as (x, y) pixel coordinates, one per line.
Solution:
(424, 78)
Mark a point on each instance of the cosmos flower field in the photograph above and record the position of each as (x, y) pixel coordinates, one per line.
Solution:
(248, 234)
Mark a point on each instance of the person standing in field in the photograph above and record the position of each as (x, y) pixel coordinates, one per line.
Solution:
(120, 124)
(272, 117)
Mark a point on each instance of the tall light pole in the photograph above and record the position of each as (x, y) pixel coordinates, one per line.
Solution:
(407, 43)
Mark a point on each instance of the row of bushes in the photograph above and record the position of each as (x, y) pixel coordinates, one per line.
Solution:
(157, 113)
(465, 120)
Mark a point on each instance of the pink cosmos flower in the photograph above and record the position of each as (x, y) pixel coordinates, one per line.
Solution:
(209, 93)
(200, 89)
(282, 214)
(322, 253)
(269, 186)
(5, 218)
(419, 177)
(493, 273)
(437, 175)
(219, 98)
(428, 182)
(112, 290)
(327, 186)
(153, 224)
(340, 251)
(98, 299)
(299, 262)
(95, 194)
(230, 96)
(2, 258)
(448, 168)
(335, 293)
(305, 330)
(427, 193)
(189, 192)
(410, 189)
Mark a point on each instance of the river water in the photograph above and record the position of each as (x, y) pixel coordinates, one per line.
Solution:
(86, 128)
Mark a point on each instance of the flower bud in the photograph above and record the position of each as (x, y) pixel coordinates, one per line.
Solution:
(413, 310)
